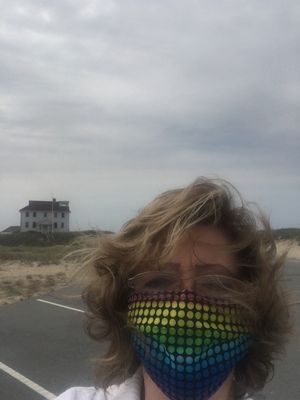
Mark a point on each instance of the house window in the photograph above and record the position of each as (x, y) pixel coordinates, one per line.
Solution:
(55, 225)
(27, 213)
(55, 215)
(63, 215)
(34, 213)
(45, 214)
(26, 224)
(34, 224)
(62, 225)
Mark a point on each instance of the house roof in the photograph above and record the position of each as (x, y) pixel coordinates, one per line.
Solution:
(13, 228)
(36, 205)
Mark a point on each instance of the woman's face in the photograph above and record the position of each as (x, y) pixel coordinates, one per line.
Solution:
(199, 248)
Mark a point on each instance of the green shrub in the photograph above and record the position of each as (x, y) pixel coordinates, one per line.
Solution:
(287, 234)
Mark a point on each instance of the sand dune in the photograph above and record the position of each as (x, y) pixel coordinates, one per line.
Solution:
(19, 281)
(291, 246)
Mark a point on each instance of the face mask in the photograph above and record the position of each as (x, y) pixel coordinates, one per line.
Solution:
(187, 344)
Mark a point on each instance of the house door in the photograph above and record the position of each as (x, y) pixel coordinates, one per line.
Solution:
(46, 228)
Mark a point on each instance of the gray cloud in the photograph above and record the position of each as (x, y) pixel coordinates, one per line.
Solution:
(147, 95)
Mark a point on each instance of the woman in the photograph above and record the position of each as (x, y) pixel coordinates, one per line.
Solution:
(188, 294)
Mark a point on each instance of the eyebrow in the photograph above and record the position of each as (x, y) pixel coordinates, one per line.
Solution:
(215, 267)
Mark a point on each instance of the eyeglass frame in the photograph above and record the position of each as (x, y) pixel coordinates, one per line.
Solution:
(199, 270)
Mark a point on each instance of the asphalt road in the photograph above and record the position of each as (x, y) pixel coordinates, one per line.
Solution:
(286, 382)
(47, 345)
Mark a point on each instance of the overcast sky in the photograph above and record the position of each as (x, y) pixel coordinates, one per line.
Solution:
(107, 103)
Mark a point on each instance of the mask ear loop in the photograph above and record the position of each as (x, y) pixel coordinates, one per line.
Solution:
(143, 386)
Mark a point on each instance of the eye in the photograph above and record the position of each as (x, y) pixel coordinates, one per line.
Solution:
(155, 283)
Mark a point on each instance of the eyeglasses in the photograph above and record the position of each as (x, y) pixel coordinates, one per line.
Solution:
(207, 285)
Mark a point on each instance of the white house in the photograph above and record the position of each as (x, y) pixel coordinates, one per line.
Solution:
(45, 216)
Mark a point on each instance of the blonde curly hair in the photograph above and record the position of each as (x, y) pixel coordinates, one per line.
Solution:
(150, 237)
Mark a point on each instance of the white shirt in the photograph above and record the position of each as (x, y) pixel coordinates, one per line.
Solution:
(129, 390)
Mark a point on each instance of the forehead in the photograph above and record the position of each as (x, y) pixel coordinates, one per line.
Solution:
(203, 245)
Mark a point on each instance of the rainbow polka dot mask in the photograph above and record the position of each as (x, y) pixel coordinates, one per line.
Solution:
(188, 344)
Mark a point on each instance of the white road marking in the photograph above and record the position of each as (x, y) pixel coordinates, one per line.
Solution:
(60, 305)
(34, 386)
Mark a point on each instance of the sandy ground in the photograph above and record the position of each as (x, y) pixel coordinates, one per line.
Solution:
(19, 281)
(291, 246)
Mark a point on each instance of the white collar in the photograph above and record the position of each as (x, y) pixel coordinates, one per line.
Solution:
(131, 389)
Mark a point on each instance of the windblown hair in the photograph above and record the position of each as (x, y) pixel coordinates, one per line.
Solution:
(147, 241)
